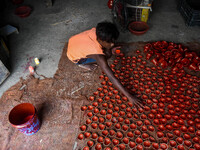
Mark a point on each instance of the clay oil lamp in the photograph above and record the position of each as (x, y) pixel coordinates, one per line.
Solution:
(88, 121)
(94, 118)
(94, 125)
(139, 123)
(86, 148)
(118, 126)
(133, 126)
(121, 113)
(196, 146)
(144, 128)
(90, 143)
(181, 147)
(107, 141)
(115, 142)
(120, 119)
(94, 135)
(118, 101)
(122, 147)
(84, 108)
(137, 133)
(83, 127)
(123, 106)
(152, 139)
(147, 144)
(115, 148)
(108, 117)
(179, 140)
(80, 136)
(172, 143)
(112, 132)
(101, 126)
(156, 122)
(127, 121)
(132, 144)
(165, 140)
(170, 135)
(129, 115)
(100, 100)
(108, 124)
(143, 117)
(169, 127)
(101, 120)
(187, 143)
(103, 112)
(155, 145)
(197, 126)
(130, 134)
(98, 146)
(146, 108)
(191, 129)
(160, 135)
(151, 116)
(125, 140)
(119, 135)
(163, 146)
(145, 136)
(96, 110)
(107, 148)
(196, 139)
(186, 136)
(101, 94)
(100, 139)
(87, 134)
(89, 114)
(151, 128)
(139, 140)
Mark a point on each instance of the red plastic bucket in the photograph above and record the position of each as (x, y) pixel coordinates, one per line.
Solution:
(17, 1)
(23, 11)
(24, 118)
(138, 27)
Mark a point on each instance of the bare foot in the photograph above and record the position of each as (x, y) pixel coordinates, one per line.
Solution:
(88, 67)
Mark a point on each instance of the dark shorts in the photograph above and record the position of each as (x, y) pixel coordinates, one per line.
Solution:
(84, 61)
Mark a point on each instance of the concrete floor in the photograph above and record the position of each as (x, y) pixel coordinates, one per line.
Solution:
(44, 33)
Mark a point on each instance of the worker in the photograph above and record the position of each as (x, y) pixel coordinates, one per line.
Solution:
(93, 47)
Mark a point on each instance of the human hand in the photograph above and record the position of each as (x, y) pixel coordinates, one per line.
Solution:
(116, 50)
(136, 101)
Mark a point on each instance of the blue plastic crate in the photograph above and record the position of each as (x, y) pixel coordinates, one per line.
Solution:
(4, 72)
(191, 15)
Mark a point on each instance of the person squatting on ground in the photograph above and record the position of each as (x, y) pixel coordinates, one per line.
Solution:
(93, 47)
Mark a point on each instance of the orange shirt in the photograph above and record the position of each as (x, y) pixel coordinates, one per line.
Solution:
(83, 44)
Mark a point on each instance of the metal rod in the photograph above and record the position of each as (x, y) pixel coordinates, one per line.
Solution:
(145, 7)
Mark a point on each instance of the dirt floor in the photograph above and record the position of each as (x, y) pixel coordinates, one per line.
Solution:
(58, 102)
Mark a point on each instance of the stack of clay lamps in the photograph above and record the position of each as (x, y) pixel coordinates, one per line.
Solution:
(171, 54)
(170, 119)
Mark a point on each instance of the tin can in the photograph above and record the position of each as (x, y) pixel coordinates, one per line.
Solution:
(31, 69)
(37, 62)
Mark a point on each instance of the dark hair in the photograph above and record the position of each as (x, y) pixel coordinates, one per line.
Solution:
(107, 31)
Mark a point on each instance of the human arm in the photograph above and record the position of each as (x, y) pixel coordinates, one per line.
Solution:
(102, 62)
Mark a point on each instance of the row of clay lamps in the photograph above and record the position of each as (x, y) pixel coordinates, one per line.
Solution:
(169, 119)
